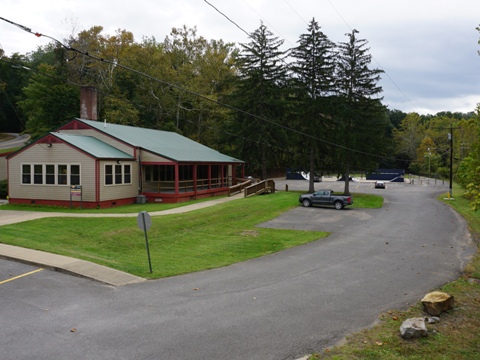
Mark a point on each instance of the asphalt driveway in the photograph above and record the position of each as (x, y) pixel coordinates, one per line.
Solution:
(281, 306)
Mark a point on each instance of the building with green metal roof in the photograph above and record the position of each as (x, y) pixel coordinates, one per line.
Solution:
(91, 163)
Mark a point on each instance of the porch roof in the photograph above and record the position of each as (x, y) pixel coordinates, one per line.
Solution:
(93, 146)
(165, 143)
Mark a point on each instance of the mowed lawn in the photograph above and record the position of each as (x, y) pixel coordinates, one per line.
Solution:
(202, 239)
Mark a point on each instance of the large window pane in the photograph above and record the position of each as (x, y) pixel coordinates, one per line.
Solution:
(50, 174)
(62, 174)
(127, 177)
(38, 174)
(118, 174)
(108, 174)
(26, 174)
(74, 174)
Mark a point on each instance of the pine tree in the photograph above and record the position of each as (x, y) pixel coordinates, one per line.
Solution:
(260, 92)
(363, 121)
(313, 73)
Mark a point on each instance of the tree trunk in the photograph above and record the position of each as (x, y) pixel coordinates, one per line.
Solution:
(347, 178)
(311, 185)
(264, 162)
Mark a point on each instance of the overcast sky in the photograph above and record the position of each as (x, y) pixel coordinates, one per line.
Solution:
(427, 48)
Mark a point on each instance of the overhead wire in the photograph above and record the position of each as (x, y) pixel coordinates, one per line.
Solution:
(381, 67)
(341, 17)
(117, 64)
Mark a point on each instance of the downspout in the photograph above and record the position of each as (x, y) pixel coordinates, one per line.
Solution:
(97, 181)
(140, 173)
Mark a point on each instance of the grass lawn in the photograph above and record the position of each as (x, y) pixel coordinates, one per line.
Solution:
(455, 337)
(208, 238)
(126, 209)
(203, 239)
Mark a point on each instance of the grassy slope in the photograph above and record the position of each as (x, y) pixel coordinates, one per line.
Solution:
(202, 239)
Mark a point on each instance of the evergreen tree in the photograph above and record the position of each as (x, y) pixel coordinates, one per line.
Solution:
(260, 92)
(362, 119)
(313, 79)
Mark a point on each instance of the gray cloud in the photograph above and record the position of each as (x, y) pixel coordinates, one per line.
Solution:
(427, 48)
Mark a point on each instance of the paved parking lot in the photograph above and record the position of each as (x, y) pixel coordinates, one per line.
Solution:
(280, 306)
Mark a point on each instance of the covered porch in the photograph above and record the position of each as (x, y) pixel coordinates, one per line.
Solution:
(174, 182)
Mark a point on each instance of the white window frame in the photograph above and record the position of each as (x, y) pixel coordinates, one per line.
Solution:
(117, 176)
(55, 174)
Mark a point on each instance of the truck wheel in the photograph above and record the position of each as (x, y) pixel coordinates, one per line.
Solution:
(306, 203)
(338, 205)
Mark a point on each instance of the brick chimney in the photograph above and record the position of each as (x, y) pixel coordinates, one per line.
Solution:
(88, 103)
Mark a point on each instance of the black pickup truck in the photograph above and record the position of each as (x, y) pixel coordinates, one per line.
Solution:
(326, 197)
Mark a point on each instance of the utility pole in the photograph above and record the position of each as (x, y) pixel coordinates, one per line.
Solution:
(450, 137)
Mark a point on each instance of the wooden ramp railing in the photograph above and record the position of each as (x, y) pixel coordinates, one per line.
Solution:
(252, 187)
(262, 187)
(235, 189)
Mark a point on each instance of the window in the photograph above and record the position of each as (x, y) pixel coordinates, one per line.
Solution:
(50, 174)
(62, 175)
(26, 174)
(38, 174)
(108, 174)
(118, 174)
(74, 174)
(127, 176)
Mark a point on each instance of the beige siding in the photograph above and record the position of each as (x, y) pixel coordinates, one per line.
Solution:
(57, 154)
(147, 156)
(3, 167)
(118, 191)
(107, 139)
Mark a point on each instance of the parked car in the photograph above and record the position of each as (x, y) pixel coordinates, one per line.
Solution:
(379, 185)
(326, 197)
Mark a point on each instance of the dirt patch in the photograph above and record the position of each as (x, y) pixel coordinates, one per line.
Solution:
(253, 233)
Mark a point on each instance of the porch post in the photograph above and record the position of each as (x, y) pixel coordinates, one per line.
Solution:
(177, 191)
(222, 171)
(195, 178)
(209, 176)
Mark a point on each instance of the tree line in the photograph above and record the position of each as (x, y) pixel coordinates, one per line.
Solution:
(316, 107)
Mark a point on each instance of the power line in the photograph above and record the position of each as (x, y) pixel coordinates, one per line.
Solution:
(115, 63)
(340, 16)
(381, 67)
(233, 22)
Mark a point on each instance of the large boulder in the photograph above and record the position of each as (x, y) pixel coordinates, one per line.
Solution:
(437, 302)
(413, 328)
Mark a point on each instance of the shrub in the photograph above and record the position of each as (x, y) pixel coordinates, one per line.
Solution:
(3, 189)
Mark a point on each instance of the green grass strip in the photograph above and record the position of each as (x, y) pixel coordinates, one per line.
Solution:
(203, 239)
